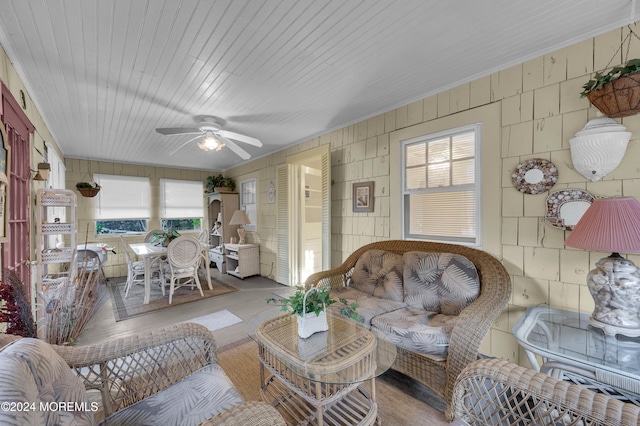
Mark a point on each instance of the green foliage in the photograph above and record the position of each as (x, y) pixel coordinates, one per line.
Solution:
(316, 302)
(164, 238)
(87, 185)
(220, 181)
(600, 79)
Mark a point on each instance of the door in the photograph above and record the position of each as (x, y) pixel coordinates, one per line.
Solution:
(303, 216)
(15, 252)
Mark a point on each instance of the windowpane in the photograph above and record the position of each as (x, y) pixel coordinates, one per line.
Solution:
(416, 178)
(439, 151)
(463, 145)
(443, 214)
(188, 224)
(440, 198)
(438, 175)
(248, 202)
(138, 226)
(416, 154)
(463, 172)
(122, 197)
(181, 199)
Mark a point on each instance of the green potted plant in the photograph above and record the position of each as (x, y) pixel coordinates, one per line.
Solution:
(164, 238)
(617, 92)
(310, 306)
(88, 189)
(220, 183)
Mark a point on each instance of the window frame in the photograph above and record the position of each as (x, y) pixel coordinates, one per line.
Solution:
(163, 206)
(250, 208)
(476, 186)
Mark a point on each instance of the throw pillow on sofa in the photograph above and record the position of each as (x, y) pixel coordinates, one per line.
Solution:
(439, 282)
(379, 273)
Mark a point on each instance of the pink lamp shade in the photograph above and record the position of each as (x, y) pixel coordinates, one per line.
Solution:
(609, 225)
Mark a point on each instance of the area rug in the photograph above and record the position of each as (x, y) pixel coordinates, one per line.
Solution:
(217, 320)
(401, 400)
(132, 306)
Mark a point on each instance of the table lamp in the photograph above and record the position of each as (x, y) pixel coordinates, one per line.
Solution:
(612, 225)
(240, 218)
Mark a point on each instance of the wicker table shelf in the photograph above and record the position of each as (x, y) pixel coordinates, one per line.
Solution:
(318, 380)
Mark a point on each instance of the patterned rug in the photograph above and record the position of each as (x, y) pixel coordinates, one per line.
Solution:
(132, 306)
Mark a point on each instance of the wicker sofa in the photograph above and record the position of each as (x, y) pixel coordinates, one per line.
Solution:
(492, 392)
(464, 332)
(167, 376)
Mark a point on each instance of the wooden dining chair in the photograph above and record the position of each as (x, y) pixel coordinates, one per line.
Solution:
(183, 262)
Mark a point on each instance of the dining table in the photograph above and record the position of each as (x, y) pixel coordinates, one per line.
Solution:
(151, 252)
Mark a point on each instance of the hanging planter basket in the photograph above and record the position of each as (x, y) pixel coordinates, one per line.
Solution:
(88, 192)
(619, 98)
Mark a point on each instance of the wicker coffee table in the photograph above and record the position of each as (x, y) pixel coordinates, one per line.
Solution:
(319, 380)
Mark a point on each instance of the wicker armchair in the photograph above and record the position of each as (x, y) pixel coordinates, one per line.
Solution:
(168, 375)
(496, 392)
(472, 324)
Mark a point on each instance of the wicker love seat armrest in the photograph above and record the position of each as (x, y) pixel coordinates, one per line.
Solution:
(129, 369)
(496, 392)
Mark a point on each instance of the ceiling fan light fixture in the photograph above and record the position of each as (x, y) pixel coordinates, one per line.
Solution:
(210, 143)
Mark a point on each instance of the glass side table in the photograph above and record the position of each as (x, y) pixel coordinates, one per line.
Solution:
(573, 350)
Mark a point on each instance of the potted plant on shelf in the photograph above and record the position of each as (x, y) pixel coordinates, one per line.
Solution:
(88, 189)
(617, 92)
(310, 306)
(164, 238)
(220, 184)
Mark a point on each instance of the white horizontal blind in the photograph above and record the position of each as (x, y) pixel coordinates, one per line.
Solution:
(181, 199)
(122, 197)
(440, 185)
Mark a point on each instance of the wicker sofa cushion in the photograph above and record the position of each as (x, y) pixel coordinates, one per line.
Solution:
(32, 372)
(368, 306)
(194, 399)
(439, 282)
(417, 330)
(379, 273)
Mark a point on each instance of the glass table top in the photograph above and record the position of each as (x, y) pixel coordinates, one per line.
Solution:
(346, 353)
(567, 336)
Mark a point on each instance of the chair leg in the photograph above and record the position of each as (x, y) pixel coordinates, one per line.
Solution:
(127, 286)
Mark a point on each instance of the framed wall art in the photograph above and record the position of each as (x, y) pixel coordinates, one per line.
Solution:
(363, 197)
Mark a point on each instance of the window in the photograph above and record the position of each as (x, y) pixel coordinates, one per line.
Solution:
(441, 186)
(181, 205)
(248, 202)
(122, 206)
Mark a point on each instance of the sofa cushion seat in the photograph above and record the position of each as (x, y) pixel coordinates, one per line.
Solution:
(191, 401)
(368, 306)
(379, 273)
(417, 330)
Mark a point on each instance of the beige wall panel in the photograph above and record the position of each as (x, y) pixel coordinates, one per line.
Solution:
(511, 110)
(530, 291)
(511, 81)
(510, 231)
(528, 231)
(547, 134)
(517, 139)
(533, 74)
(555, 67)
(580, 59)
(546, 101)
(479, 92)
(574, 266)
(542, 263)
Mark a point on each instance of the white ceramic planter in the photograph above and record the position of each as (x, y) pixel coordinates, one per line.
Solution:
(311, 323)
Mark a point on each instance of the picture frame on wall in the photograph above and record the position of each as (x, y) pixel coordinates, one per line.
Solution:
(363, 198)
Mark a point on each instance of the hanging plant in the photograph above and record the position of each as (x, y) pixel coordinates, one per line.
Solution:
(88, 189)
(617, 92)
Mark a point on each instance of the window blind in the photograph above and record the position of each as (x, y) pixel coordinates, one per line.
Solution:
(122, 197)
(181, 199)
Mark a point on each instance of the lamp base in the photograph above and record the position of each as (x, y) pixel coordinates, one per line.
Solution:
(615, 287)
(241, 234)
(612, 330)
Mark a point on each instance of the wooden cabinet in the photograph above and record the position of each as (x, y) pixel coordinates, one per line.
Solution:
(242, 260)
(222, 204)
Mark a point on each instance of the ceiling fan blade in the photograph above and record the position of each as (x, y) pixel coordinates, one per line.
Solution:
(186, 143)
(179, 130)
(235, 148)
(241, 138)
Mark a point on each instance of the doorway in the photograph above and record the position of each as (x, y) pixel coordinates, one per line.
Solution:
(304, 228)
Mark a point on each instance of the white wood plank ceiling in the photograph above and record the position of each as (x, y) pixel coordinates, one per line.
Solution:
(106, 73)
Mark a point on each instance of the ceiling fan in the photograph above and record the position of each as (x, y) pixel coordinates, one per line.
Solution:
(214, 137)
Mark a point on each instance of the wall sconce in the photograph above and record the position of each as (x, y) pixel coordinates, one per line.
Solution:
(43, 171)
(599, 147)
